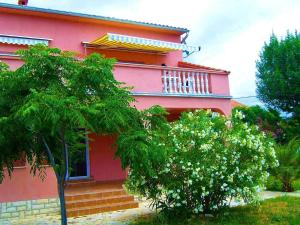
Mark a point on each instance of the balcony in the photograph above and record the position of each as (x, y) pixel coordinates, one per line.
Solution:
(152, 80)
(178, 81)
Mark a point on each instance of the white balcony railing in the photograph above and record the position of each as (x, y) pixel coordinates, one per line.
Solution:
(185, 82)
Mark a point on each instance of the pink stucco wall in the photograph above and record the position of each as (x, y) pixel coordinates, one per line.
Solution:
(24, 186)
(219, 84)
(103, 165)
(13, 62)
(182, 103)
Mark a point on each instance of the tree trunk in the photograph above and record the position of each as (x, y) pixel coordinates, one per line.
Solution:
(64, 170)
(63, 212)
(287, 186)
(60, 177)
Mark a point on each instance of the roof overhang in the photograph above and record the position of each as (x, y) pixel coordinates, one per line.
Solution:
(68, 15)
(22, 40)
(125, 42)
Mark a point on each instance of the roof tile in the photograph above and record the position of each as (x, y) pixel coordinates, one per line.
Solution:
(196, 66)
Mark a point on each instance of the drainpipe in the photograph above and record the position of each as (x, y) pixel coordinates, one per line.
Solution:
(183, 41)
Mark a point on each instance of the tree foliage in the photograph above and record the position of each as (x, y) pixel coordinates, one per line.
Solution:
(54, 100)
(278, 73)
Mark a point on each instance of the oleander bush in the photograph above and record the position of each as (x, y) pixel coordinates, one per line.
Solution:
(198, 163)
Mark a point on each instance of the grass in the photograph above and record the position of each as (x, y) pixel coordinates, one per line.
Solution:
(276, 211)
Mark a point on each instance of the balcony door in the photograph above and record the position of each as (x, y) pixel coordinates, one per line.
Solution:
(79, 163)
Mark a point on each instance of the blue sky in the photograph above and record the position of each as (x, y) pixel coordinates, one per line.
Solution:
(230, 33)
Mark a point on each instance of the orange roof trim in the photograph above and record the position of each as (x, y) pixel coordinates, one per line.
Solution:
(235, 103)
(196, 66)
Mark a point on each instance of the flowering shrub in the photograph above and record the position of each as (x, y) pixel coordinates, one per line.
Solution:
(205, 161)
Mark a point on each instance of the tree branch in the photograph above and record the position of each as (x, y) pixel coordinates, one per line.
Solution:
(65, 156)
(50, 156)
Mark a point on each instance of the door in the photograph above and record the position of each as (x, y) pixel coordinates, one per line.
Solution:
(79, 163)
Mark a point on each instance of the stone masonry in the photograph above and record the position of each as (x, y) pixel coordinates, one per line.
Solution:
(10, 211)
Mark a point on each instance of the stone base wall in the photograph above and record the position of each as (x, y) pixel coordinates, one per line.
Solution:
(27, 209)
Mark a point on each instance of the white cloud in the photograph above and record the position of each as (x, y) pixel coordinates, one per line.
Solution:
(231, 33)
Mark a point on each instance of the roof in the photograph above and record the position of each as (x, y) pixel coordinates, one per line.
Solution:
(196, 66)
(90, 16)
(235, 103)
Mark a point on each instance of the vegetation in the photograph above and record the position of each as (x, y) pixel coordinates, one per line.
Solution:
(274, 184)
(296, 184)
(278, 211)
(278, 74)
(289, 164)
(53, 101)
(194, 165)
(282, 129)
(287, 147)
(268, 120)
(291, 128)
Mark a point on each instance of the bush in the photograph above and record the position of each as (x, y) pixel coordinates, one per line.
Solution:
(198, 163)
(289, 164)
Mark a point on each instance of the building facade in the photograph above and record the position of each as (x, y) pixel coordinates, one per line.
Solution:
(149, 58)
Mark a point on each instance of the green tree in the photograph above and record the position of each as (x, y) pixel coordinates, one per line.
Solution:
(278, 74)
(54, 100)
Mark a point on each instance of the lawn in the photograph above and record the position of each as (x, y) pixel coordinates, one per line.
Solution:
(276, 211)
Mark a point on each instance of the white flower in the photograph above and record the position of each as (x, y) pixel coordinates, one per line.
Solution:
(192, 143)
(228, 123)
(239, 115)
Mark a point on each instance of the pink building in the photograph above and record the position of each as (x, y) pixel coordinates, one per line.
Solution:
(150, 58)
